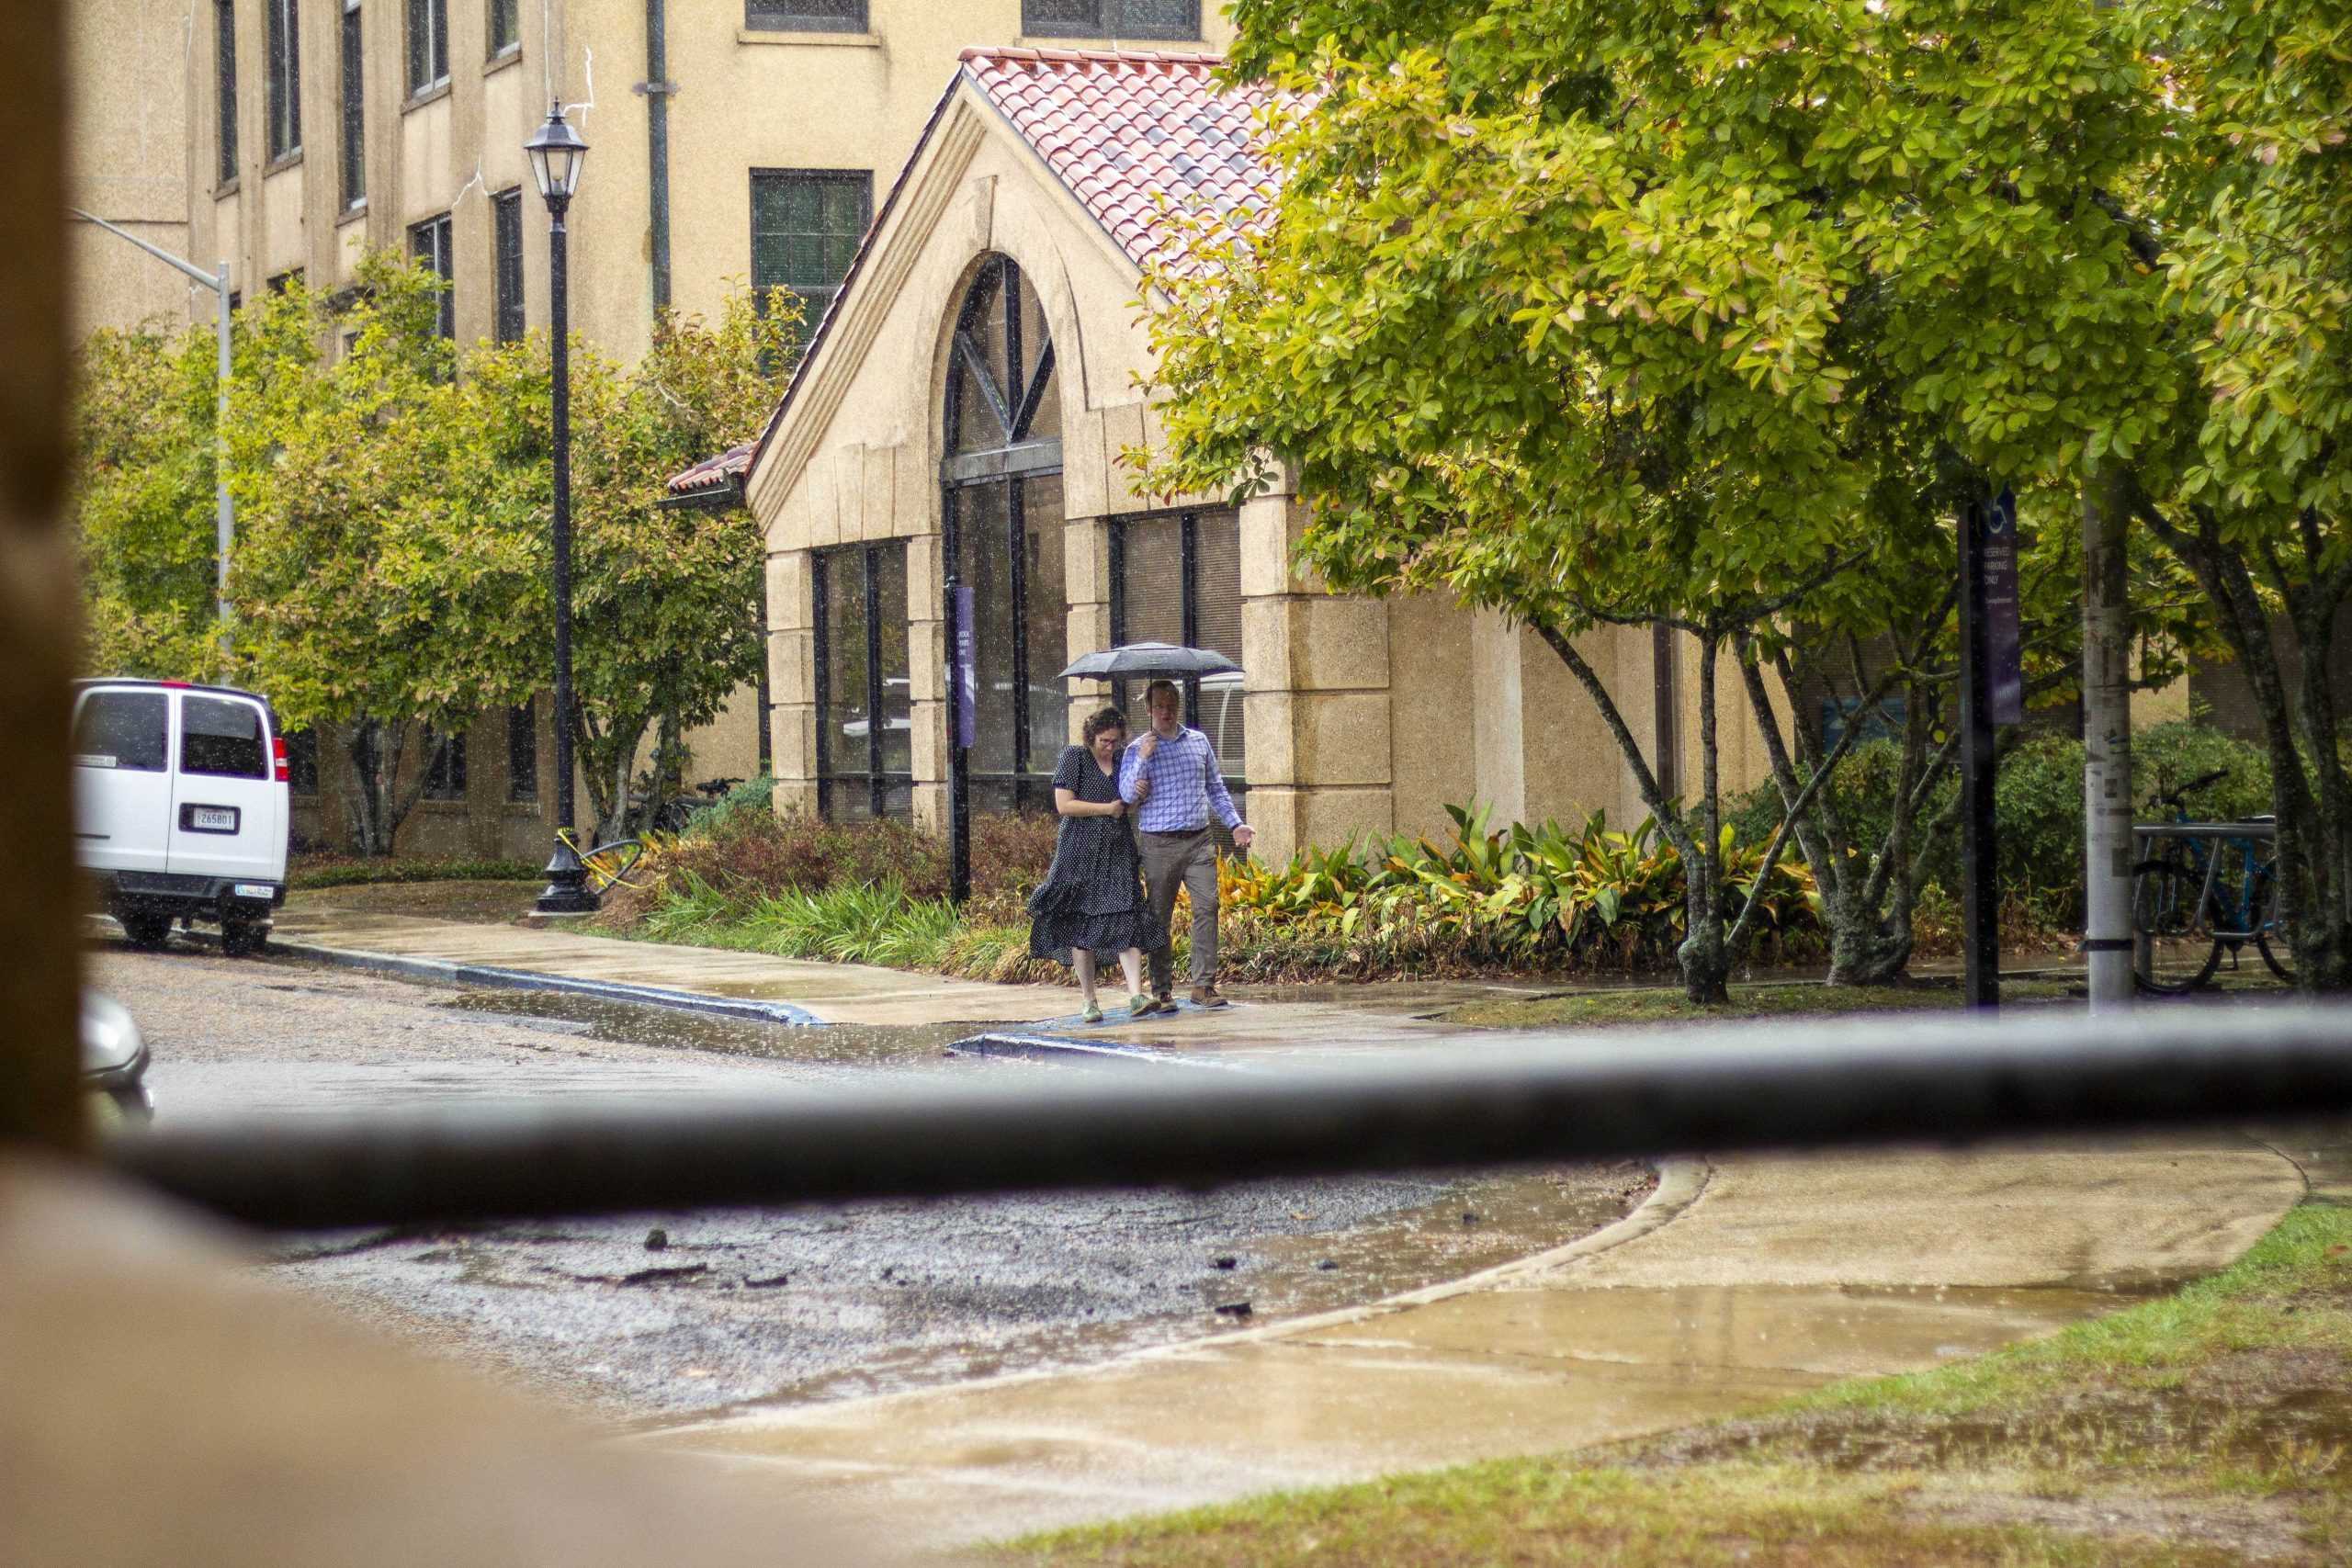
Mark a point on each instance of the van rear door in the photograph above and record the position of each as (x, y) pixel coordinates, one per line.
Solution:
(122, 779)
(228, 814)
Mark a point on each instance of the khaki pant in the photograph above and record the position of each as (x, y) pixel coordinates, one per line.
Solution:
(1189, 861)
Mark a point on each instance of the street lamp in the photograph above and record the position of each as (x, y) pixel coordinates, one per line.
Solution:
(557, 153)
(217, 280)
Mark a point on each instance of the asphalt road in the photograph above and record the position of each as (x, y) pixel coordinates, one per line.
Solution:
(659, 1316)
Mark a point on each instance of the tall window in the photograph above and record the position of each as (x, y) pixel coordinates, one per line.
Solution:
(445, 765)
(805, 229)
(522, 753)
(504, 34)
(806, 16)
(864, 719)
(285, 79)
(429, 242)
(428, 45)
(224, 53)
(506, 249)
(1111, 19)
(354, 92)
(1002, 487)
(1176, 577)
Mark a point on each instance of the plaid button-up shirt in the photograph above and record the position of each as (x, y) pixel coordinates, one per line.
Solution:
(1186, 784)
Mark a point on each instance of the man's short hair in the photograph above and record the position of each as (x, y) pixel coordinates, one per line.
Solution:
(1151, 692)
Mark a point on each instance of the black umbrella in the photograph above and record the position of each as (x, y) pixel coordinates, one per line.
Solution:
(1137, 659)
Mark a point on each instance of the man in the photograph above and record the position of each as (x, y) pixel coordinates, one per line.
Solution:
(1170, 776)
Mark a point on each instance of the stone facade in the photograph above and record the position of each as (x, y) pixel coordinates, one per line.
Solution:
(1361, 715)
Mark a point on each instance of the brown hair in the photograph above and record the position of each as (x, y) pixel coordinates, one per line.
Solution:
(1158, 686)
(1103, 719)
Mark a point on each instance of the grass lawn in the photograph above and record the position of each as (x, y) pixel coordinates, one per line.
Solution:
(2207, 1428)
(1598, 1007)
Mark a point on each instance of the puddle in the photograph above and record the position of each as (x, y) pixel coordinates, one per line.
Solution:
(839, 1044)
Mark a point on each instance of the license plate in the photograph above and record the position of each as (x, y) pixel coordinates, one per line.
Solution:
(254, 890)
(213, 818)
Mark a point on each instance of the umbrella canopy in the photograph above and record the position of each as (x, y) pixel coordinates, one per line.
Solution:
(1136, 659)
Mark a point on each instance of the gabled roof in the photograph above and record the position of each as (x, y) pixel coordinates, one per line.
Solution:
(1133, 135)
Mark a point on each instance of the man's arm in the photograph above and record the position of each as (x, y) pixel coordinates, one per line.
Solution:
(1220, 798)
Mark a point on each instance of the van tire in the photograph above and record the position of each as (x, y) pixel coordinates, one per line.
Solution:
(241, 938)
(145, 927)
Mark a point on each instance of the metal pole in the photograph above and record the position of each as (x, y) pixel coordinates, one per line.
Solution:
(567, 890)
(224, 516)
(2106, 740)
(1459, 1103)
(1979, 931)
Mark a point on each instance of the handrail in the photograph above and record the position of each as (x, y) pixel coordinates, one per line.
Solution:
(1477, 1103)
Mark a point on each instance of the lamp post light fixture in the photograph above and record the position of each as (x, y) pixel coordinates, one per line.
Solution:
(557, 153)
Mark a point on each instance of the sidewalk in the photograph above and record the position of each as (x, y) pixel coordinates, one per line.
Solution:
(817, 991)
(1739, 1283)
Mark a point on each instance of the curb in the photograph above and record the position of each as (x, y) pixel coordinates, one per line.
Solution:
(1052, 1048)
(488, 977)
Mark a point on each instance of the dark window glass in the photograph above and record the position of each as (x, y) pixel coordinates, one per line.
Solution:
(302, 761)
(805, 230)
(506, 237)
(504, 32)
(224, 51)
(806, 16)
(354, 92)
(523, 753)
(862, 769)
(428, 44)
(428, 242)
(1046, 608)
(279, 282)
(285, 79)
(1112, 19)
(1178, 579)
(122, 729)
(222, 736)
(444, 766)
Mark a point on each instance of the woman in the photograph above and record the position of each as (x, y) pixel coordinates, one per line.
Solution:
(1092, 901)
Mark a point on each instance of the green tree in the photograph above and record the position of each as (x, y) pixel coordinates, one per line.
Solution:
(666, 602)
(2251, 202)
(143, 504)
(359, 603)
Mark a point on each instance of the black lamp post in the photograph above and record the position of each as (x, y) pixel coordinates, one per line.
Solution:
(557, 153)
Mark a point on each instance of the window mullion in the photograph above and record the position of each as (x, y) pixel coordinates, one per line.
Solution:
(1016, 539)
(871, 557)
(821, 676)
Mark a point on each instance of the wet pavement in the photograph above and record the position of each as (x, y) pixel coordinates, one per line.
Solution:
(1737, 1284)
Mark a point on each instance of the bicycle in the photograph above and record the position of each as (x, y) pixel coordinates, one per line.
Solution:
(2211, 882)
(608, 864)
(678, 813)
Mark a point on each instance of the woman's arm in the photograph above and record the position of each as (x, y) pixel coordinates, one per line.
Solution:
(1067, 804)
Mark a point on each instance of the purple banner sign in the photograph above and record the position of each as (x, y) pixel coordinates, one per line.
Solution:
(2005, 674)
(968, 675)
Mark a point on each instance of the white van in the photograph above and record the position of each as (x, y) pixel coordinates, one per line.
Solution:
(180, 803)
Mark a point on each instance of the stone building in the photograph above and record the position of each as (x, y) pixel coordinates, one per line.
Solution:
(967, 399)
(731, 144)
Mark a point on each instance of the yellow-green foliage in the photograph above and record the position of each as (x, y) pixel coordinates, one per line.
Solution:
(1537, 894)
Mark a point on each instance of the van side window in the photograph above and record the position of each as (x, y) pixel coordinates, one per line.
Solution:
(122, 729)
(221, 738)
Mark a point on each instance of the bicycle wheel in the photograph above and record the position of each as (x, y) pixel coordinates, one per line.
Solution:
(2164, 895)
(609, 863)
(2270, 937)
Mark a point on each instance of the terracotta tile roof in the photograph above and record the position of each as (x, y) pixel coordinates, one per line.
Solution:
(1133, 135)
(706, 479)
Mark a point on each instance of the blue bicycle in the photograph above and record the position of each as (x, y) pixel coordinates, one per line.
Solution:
(2213, 886)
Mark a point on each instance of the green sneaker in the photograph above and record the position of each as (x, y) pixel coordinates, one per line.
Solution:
(1093, 1014)
(1141, 1006)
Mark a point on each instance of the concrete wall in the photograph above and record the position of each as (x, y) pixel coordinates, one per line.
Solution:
(126, 161)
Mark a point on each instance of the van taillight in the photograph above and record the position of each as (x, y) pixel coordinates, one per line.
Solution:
(277, 757)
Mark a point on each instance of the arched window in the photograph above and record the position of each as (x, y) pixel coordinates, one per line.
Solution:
(1008, 601)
